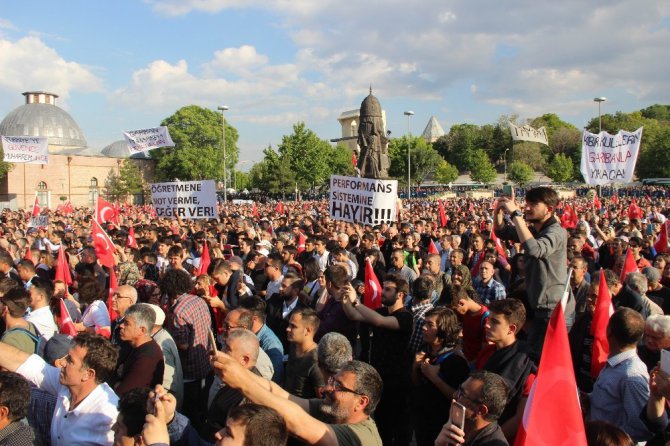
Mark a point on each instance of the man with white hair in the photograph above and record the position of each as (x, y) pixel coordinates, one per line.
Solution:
(656, 338)
(173, 376)
(637, 282)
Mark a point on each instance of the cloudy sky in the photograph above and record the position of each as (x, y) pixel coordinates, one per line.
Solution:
(126, 64)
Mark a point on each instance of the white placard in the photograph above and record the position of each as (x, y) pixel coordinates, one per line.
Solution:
(39, 221)
(185, 199)
(528, 133)
(610, 158)
(363, 200)
(148, 139)
(25, 150)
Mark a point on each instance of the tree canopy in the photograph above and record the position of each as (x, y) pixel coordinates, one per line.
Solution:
(198, 152)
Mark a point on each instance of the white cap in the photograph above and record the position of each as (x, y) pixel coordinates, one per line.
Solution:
(160, 314)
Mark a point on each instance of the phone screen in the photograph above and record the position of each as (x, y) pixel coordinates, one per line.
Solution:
(457, 414)
(665, 361)
(507, 190)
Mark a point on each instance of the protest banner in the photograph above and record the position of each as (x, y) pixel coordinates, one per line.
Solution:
(39, 221)
(363, 200)
(528, 133)
(186, 199)
(25, 150)
(148, 139)
(609, 158)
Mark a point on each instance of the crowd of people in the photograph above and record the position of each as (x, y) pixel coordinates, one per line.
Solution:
(263, 327)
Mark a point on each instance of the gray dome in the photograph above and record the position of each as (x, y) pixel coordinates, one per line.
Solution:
(42, 120)
(119, 149)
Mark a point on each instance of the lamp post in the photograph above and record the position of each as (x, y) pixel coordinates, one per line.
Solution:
(409, 114)
(223, 108)
(505, 163)
(600, 119)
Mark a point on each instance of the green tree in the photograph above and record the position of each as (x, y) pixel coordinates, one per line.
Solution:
(459, 145)
(654, 162)
(129, 182)
(530, 153)
(482, 169)
(5, 168)
(198, 151)
(307, 155)
(520, 172)
(114, 189)
(424, 161)
(281, 177)
(657, 111)
(446, 173)
(560, 169)
(340, 161)
(419, 153)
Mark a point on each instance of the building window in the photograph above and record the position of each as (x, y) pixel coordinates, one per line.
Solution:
(94, 182)
(36, 99)
(42, 186)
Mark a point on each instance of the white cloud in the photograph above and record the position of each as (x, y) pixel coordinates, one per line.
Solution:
(29, 64)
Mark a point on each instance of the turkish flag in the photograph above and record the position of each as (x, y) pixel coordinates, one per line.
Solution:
(105, 211)
(661, 245)
(601, 317)
(113, 285)
(596, 202)
(443, 215)
(569, 218)
(104, 247)
(354, 161)
(29, 254)
(280, 207)
(205, 260)
(615, 199)
(499, 247)
(634, 211)
(65, 324)
(432, 248)
(372, 297)
(552, 416)
(629, 266)
(36, 208)
(131, 242)
(62, 268)
(255, 211)
(68, 208)
(302, 240)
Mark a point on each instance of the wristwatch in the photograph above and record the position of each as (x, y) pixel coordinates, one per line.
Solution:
(517, 213)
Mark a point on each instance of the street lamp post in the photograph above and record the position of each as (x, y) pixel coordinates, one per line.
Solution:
(505, 163)
(409, 114)
(223, 108)
(600, 119)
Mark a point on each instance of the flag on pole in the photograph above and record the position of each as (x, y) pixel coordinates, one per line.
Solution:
(443, 215)
(499, 247)
(596, 202)
(629, 265)
(131, 242)
(255, 211)
(661, 245)
(36, 208)
(634, 211)
(62, 268)
(552, 416)
(29, 254)
(205, 260)
(601, 317)
(280, 207)
(372, 297)
(432, 248)
(354, 161)
(113, 285)
(302, 241)
(104, 247)
(569, 218)
(65, 324)
(105, 211)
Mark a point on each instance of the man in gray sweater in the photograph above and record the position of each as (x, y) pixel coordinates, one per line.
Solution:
(544, 244)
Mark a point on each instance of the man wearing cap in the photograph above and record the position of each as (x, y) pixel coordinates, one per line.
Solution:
(173, 376)
(659, 293)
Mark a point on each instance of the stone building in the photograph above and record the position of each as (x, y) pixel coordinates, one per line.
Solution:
(75, 172)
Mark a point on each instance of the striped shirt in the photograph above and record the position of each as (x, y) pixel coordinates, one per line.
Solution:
(189, 325)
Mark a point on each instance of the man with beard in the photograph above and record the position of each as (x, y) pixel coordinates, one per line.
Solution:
(342, 418)
(544, 244)
(281, 305)
(392, 329)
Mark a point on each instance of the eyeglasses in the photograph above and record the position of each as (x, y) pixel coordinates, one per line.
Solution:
(118, 296)
(460, 395)
(339, 387)
(228, 327)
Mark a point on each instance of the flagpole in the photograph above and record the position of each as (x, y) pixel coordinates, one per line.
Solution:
(566, 290)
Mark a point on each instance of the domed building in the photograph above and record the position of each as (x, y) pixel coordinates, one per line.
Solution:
(75, 172)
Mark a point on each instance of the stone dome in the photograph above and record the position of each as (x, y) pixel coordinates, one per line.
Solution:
(40, 117)
(371, 106)
(119, 149)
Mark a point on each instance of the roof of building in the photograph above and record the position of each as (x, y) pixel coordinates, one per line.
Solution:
(44, 120)
(433, 130)
(119, 149)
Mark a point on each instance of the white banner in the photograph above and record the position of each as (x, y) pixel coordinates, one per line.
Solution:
(25, 150)
(610, 158)
(528, 133)
(39, 221)
(186, 199)
(148, 139)
(363, 200)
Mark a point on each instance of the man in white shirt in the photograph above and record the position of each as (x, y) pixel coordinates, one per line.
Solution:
(86, 407)
(40, 314)
(321, 253)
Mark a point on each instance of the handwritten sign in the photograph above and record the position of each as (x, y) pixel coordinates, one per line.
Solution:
(186, 199)
(610, 158)
(148, 139)
(363, 200)
(528, 133)
(25, 150)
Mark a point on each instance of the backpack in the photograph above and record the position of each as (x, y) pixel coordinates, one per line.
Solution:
(38, 339)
